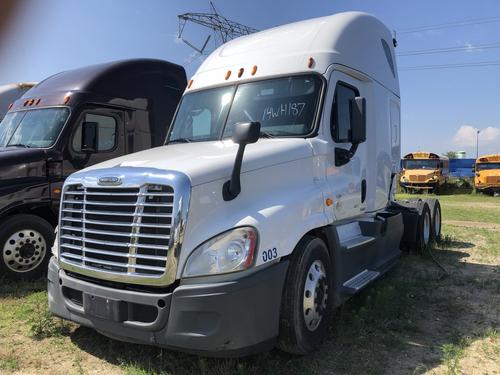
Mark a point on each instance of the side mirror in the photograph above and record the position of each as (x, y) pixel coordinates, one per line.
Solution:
(358, 120)
(358, 131)
(244, 133)
(89, 136)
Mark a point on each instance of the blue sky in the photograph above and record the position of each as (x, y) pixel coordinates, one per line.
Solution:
(441, 109)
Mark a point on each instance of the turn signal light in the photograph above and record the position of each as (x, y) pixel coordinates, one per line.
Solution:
(310, 62)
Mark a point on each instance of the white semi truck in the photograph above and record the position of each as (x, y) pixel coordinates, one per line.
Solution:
(269, 205)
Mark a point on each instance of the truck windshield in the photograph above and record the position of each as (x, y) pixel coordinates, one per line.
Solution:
(420, 164)
(38, 128)
(283, 106)
(484, 166)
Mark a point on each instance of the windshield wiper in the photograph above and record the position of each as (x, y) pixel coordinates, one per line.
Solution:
(18, 145)
(266, 135)
(179, 140)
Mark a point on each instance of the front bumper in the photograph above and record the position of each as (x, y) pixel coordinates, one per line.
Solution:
(230, 318)
(419, 185)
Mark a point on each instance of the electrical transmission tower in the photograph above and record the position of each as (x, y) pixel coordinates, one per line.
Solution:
(222, 28)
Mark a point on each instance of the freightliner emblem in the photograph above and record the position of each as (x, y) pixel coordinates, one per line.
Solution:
(110, 181)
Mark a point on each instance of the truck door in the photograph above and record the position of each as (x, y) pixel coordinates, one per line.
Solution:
(108, 127)
(348, 182)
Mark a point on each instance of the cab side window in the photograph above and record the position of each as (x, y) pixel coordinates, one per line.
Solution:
(106, 132)
(340, 120)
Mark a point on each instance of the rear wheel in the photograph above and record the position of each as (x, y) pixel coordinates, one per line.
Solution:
(25, 242)
(307, 299)
(435, 210)
(424, 227)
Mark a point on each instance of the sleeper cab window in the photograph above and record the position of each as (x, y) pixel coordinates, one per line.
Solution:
(106, 132)
(340, 120)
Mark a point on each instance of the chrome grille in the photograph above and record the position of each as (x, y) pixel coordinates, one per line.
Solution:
(119, 230)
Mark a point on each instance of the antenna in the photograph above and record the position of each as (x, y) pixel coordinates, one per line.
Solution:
(222, 28)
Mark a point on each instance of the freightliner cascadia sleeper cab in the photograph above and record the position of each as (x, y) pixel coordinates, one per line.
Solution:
(268, 206)
(68, 122)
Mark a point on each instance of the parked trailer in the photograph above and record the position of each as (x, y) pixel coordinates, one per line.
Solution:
(423, 171)
(487, 170)
(10, 93)
(67, 122)
(267, 208)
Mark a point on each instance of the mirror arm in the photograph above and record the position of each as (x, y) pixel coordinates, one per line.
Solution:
(232, 188)
(342, 156)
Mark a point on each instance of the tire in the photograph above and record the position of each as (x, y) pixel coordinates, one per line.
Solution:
(25, 242)
(435, 209)
(309, 281)
(424, 227)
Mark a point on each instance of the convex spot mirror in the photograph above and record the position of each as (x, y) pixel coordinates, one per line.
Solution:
(89, 136)
(358, 120)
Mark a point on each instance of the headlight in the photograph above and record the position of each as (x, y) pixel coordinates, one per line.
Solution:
(228, 252)
(55, 246)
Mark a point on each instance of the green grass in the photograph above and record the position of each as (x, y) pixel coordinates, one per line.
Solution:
(9, 363)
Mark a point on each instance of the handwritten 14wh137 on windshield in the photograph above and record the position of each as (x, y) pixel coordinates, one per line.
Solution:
(283, 110)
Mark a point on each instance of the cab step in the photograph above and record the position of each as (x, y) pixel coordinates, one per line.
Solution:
(357, 242)
(359, 281)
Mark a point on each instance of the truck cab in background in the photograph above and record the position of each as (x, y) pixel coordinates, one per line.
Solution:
(423, 171)
(10, 93)
(269, 206)
(67, 122)
(487, 174)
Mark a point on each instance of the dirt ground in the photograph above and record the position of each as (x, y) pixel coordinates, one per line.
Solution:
(421, 318)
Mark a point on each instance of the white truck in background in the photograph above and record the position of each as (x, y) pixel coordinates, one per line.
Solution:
(10, 93)
(269, 205)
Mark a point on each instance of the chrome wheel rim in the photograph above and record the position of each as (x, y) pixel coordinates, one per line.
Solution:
(24, 250)
(315, 295)
(437, 222)
(427, 228)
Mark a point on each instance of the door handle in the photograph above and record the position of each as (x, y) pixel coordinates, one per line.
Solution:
(363, 190)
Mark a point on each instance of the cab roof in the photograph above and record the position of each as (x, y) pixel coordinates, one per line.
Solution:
(354, 39)
(424, 155)
(492, 158)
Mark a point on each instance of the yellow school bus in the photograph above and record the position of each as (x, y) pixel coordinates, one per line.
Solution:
(423, 171)
(487, 177)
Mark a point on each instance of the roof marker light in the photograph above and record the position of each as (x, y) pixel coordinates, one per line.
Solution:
(240, 72)
(254, 70)
(190, 83)
(66, 99)
(228, 74)
(32, 101)
(26, 103)
(310, 62)
(38, 101)
(10, 106)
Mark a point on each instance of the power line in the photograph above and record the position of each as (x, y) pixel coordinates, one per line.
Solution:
(451, 66)
(465, 48)
(474, 21)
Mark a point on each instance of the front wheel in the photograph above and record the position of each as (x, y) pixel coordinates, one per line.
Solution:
(25, 242)
(307, 299)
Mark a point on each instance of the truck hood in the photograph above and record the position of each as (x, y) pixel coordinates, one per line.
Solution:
(20, 162)
(203, 162)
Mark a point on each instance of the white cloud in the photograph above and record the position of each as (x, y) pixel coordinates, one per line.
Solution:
(466, 136)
